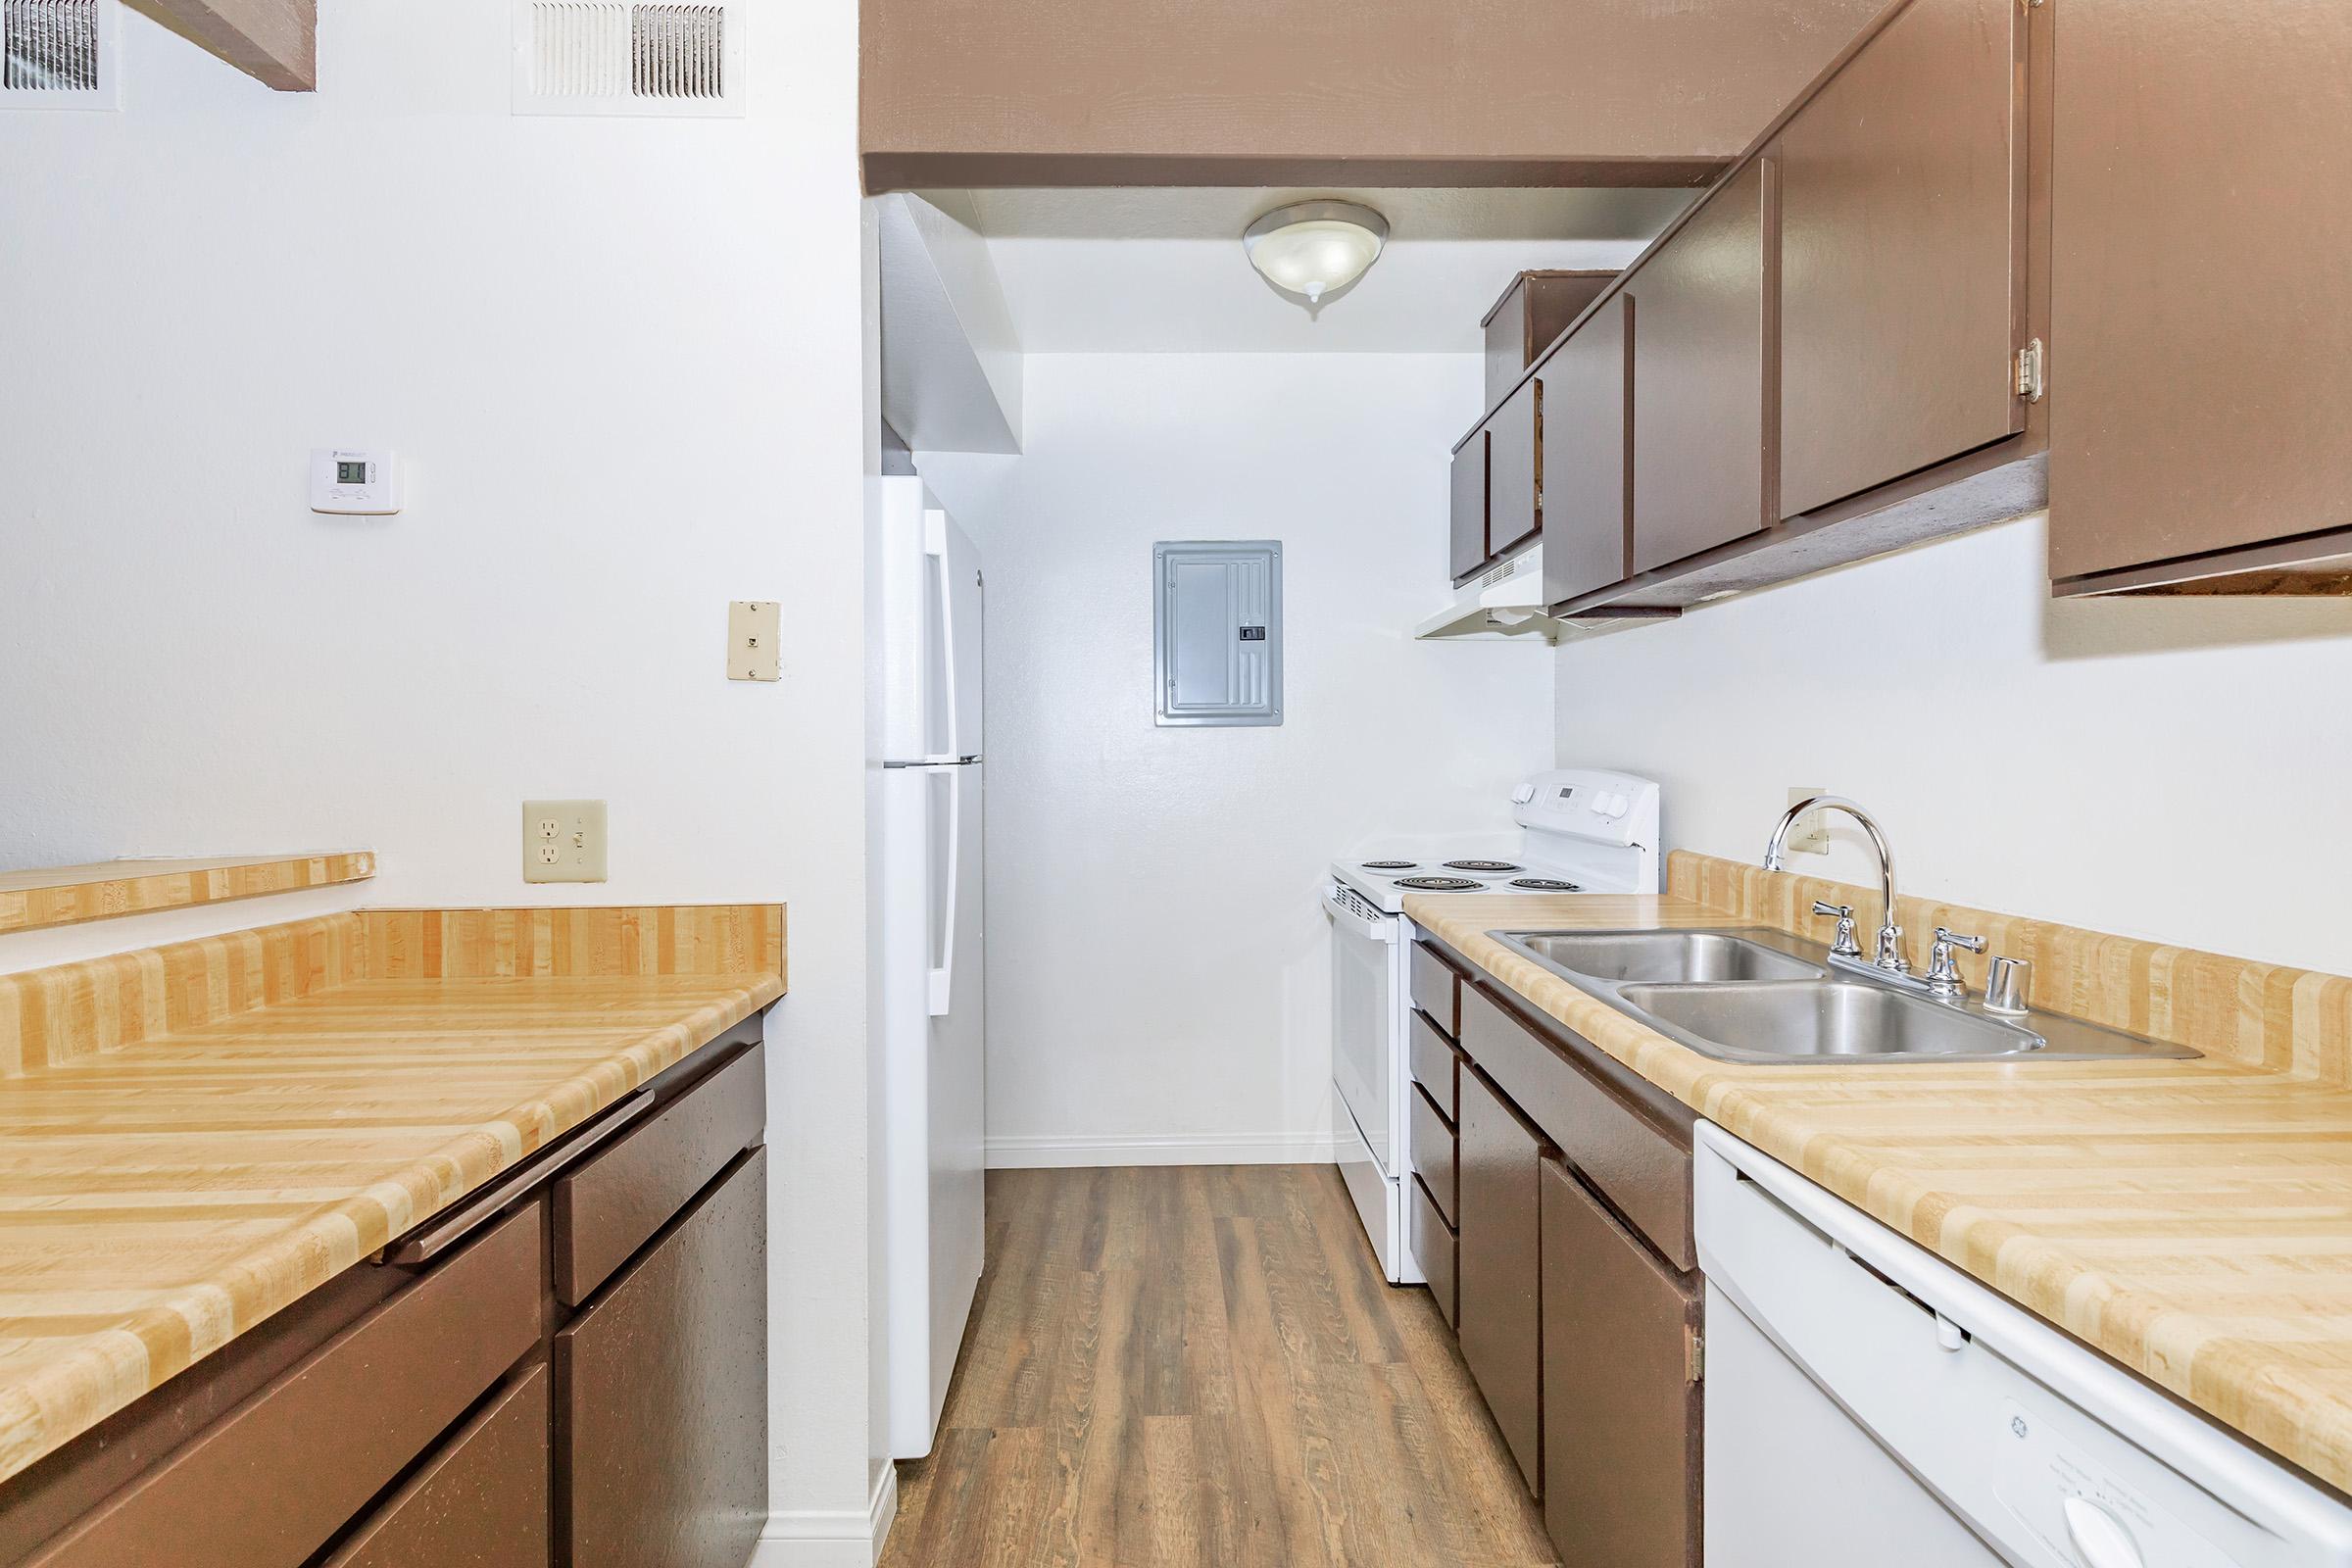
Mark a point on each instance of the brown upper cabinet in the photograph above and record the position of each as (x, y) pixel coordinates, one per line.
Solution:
(1902, 258)
(1698, 378)
(1468, 549)
(1824, 353)
(1515, 470)
(2197, 432)
(1532, 314)
(1587, 385)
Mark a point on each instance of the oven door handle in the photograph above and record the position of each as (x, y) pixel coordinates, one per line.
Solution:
(1343, 915)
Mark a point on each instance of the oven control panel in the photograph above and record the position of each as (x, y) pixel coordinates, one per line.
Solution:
(1604, 808)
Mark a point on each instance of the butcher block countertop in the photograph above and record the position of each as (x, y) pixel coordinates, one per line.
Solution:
(194, 1137)
(2192, 1219)
(67, 895)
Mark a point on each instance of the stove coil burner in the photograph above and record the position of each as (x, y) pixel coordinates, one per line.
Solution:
(1545, 884)
(1389, 865)
(1481, 865)
(1438, 884)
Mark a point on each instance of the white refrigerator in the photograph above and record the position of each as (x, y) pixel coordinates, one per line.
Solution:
(928, 884)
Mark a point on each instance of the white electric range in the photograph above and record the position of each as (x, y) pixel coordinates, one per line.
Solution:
(1578, 830)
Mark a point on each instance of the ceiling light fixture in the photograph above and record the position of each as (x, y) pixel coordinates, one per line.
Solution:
(1314, 248)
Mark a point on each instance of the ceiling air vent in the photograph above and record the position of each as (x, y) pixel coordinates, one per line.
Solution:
(600, 57)
(57, 54)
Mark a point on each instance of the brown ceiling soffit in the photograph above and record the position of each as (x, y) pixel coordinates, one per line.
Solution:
(884, 170)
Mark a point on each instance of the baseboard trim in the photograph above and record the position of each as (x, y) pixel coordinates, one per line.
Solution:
(832, 1538)
(1238, 1149)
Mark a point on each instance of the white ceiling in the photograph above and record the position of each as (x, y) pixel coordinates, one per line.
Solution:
(1161, 270)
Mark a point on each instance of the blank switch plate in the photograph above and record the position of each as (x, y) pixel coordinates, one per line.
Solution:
(754, 626)
(1811, 835)
(563, 841)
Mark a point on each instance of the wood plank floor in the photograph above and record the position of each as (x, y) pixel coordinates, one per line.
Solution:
(1195, 1366)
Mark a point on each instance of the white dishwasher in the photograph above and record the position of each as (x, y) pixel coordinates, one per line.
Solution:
(1870, 1407)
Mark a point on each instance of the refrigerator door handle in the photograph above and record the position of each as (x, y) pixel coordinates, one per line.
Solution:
(935, 545)
(943, 976)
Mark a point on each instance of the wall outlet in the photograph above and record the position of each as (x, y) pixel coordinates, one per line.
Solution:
(755, 627)
(563, 841)
(1811, 834)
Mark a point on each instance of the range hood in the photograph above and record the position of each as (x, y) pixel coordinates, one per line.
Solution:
(1506, 600)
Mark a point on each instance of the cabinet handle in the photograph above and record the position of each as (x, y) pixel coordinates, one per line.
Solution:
(438, 1235)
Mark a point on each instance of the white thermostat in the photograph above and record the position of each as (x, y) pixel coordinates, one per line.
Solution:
(355, 485)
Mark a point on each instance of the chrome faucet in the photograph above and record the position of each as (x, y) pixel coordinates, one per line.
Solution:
(1889, 955)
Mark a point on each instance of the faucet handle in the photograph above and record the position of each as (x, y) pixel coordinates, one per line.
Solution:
(1943, 969)
(1845, 946)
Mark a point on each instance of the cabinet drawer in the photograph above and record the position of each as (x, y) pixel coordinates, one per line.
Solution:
(1436, 1063)
(1638, 1165)
(1435, 988)
(1433, 1245)
(1434, 1153)
(611, 1206)
(661, 1394)
(480, 1503)
(272, 1482)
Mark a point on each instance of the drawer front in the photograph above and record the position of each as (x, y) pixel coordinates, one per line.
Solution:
(611, 1206)
(1436, 1068)
(480, 1503)
(1437, 990)
(1641, 1168)
(270, 1483)
(662, 1433)
(1434, 1154)
(1435, 1245)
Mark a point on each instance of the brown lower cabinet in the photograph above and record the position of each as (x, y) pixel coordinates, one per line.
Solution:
(1621, 1390)
(663, 1394)
(1496, 1268)
(480, 1503)
(1577, 1296)
(444, 1406)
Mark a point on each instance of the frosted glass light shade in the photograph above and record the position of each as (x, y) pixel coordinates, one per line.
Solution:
(1313, 248)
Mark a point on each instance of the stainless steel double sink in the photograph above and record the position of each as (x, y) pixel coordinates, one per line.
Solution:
(1760, 995)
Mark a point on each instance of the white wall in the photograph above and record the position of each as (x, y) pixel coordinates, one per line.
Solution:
(1157, 962)
(2169, 769)
(622, 359)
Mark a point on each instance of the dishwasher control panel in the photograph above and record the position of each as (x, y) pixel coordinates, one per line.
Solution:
(2080, 1510)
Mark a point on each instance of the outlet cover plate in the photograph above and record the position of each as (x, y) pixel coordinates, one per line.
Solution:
(563, 840)
(753, 628)
(1811, 834)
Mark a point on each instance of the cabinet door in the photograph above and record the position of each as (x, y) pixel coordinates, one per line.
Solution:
(1586, 501)
(661, 1394)
(1698, 381)
(1621, 1406)
(2200, 411)
(1515, 470)
(1500, 1238)
(1468, 549)
(1903, 223)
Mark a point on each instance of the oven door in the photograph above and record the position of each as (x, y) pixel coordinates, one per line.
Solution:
(1367, 961)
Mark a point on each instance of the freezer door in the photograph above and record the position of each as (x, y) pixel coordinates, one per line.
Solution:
(930, 625)
(952, 673)
(933, 1007)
